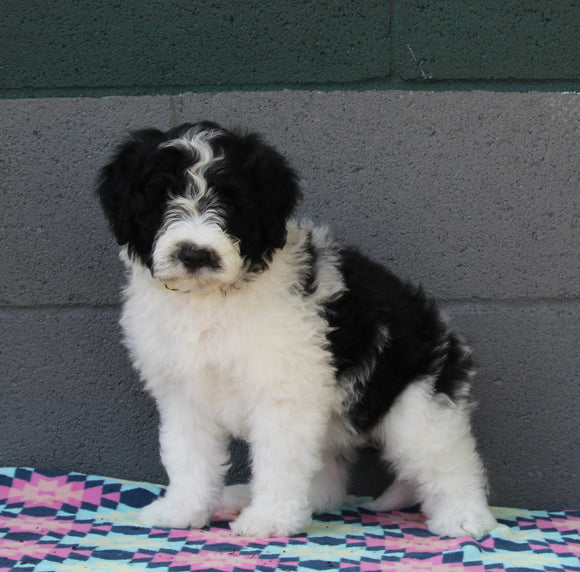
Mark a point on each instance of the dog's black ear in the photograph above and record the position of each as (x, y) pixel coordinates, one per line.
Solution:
(276, 186)
(119, 179)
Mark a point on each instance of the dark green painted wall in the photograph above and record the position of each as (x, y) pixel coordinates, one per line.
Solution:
(510, 40)
(96, 47)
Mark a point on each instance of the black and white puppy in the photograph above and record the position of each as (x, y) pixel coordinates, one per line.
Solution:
(242, 321)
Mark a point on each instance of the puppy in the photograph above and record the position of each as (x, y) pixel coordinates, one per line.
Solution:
(244, 322)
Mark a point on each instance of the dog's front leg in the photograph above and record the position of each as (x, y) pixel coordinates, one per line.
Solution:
(193, 451)
(286, 441)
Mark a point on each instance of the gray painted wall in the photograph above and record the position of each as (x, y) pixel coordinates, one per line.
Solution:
(474, 194)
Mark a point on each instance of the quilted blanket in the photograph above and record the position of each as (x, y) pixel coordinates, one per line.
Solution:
(70, 521)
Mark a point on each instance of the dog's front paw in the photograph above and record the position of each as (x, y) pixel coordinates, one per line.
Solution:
(474, 522)
(260, 522)
(171, 513)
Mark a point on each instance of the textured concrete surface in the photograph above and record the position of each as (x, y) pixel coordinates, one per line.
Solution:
(528, 420)
(475, 194)
(51, 152)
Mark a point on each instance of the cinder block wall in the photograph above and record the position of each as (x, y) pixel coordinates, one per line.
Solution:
(442, 138)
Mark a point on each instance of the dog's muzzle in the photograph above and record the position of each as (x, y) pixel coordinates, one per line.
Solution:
(195, 260)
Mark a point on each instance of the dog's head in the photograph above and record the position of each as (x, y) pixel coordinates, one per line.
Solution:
(199, 205)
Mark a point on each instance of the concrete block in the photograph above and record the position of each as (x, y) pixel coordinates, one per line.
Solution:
(528, 419)
(488, 40)
(70, 400)
(56, 245)
(167, 47)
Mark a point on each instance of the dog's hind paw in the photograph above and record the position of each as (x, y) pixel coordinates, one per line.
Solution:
(234, 499)
(399, 495)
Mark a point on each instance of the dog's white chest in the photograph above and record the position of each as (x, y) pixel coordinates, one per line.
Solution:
(232, 353)
(184, 337)
(200, 346)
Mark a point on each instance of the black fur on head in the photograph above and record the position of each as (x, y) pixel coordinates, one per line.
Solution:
(254, 186)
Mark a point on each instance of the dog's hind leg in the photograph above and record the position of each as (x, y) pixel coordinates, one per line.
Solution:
(235, 498)
(427, 439)
(328, 487)
(400, 494)
(327, 490)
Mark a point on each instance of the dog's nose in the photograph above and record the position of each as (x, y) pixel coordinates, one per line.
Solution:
(193, 257)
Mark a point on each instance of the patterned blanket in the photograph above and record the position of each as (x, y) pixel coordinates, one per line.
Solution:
(70, 521)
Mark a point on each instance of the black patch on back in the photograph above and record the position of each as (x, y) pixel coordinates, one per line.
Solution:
(419, 343)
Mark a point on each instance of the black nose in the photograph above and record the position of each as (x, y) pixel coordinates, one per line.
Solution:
(193, 257)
